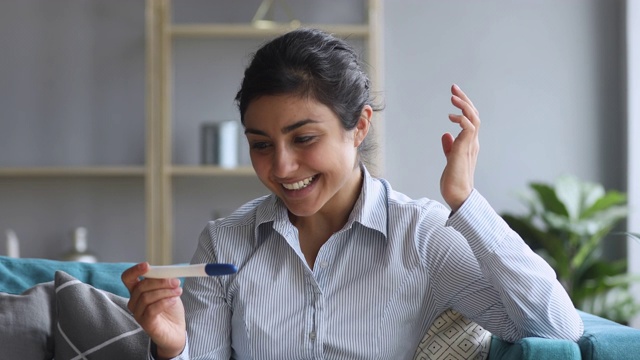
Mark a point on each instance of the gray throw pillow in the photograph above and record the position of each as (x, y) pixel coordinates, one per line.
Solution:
(26, 323)
(94, 324)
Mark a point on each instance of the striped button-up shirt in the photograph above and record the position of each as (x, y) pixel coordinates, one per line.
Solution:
(376, 285)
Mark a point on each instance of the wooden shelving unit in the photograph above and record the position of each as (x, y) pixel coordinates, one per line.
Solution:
(209, 171)
(249, 31)
(87, 171)
(158, 173)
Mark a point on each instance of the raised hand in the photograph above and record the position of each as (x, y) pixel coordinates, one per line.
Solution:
(156, 306)
(456, 182)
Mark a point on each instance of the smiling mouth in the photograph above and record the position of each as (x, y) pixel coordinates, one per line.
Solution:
(299, 184)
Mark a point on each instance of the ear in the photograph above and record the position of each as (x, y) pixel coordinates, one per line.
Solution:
(362, 127)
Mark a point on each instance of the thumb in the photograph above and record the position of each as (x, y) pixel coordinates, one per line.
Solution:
(447, 143)
(130, 276)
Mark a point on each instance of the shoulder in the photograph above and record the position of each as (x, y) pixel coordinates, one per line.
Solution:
(246, 214)
(241, 224)
(406, 207)
(418, 226)
(232, 238)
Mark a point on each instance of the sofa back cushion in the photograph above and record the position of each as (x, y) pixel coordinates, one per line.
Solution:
(18, 275)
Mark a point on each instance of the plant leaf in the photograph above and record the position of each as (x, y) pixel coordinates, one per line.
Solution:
(601, 268)
(609, 282)
(591, 193)
(610, 199)
(550, 201)
(568, 191)
(594, 270)
(617, 305)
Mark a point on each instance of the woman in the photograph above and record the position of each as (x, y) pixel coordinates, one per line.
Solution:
(334, 263)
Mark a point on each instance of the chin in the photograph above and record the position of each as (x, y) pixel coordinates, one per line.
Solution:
(300, 211)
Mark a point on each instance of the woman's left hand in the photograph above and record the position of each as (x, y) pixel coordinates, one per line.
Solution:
(461, 152)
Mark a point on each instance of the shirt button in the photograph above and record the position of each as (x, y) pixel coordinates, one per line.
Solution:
(312, 336)
(324, 264)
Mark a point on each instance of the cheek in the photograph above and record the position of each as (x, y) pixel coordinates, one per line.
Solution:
(333, 159)
(260, 165)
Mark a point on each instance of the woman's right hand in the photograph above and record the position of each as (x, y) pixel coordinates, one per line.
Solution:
(156, 306)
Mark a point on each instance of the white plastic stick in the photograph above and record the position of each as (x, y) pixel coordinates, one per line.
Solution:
(176, 271)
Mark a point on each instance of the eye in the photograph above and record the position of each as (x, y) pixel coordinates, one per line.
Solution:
(260, 145)
(304, 139)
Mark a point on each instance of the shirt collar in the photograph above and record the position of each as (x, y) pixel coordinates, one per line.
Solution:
(370, 209)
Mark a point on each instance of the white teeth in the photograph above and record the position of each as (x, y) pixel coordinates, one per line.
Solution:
(298, 185)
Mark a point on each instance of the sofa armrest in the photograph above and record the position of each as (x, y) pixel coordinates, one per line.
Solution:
(605, 339)
(602, 339)
(533, 348)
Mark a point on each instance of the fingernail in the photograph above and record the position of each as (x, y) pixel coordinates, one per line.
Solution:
(175, 282)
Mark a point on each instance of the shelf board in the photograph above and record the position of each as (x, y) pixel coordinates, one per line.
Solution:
(72, 171)
(249, 31)
(209, 170)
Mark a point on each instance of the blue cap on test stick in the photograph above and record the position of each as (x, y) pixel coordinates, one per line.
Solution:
(220, 269)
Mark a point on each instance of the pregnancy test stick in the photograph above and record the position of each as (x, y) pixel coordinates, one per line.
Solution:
(176, 271)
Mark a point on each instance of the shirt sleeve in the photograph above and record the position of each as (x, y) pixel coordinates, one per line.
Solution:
(153, 354)
(490, 275)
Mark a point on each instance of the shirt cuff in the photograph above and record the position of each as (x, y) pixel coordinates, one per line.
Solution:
(483, 228)
(153, 351)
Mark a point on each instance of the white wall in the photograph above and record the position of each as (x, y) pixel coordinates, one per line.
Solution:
(545, 76)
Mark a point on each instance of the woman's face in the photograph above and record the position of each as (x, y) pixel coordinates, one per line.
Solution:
(301, 152)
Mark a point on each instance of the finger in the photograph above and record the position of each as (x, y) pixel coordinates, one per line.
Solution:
(158, 307)
(455, 90)
(464, 122)
(447, 143)
(149, 291)
(130, 277)
(146, 286)
(149, 302)
(467, 110)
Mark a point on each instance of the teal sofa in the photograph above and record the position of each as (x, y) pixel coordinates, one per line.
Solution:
(602, 339)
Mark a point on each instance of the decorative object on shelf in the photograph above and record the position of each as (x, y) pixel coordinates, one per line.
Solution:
(79, 251)
(567, 224)
(13, 244)
(264, 19)
(219, 143)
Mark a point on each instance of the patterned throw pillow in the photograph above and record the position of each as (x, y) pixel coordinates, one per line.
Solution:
(453, 337)
(94, 324)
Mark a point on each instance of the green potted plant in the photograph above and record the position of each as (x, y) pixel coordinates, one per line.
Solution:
(567, 223)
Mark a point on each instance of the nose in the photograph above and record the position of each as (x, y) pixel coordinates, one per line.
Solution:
(284, 162)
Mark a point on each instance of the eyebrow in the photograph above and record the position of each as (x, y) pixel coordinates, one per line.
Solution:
(285, 130)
